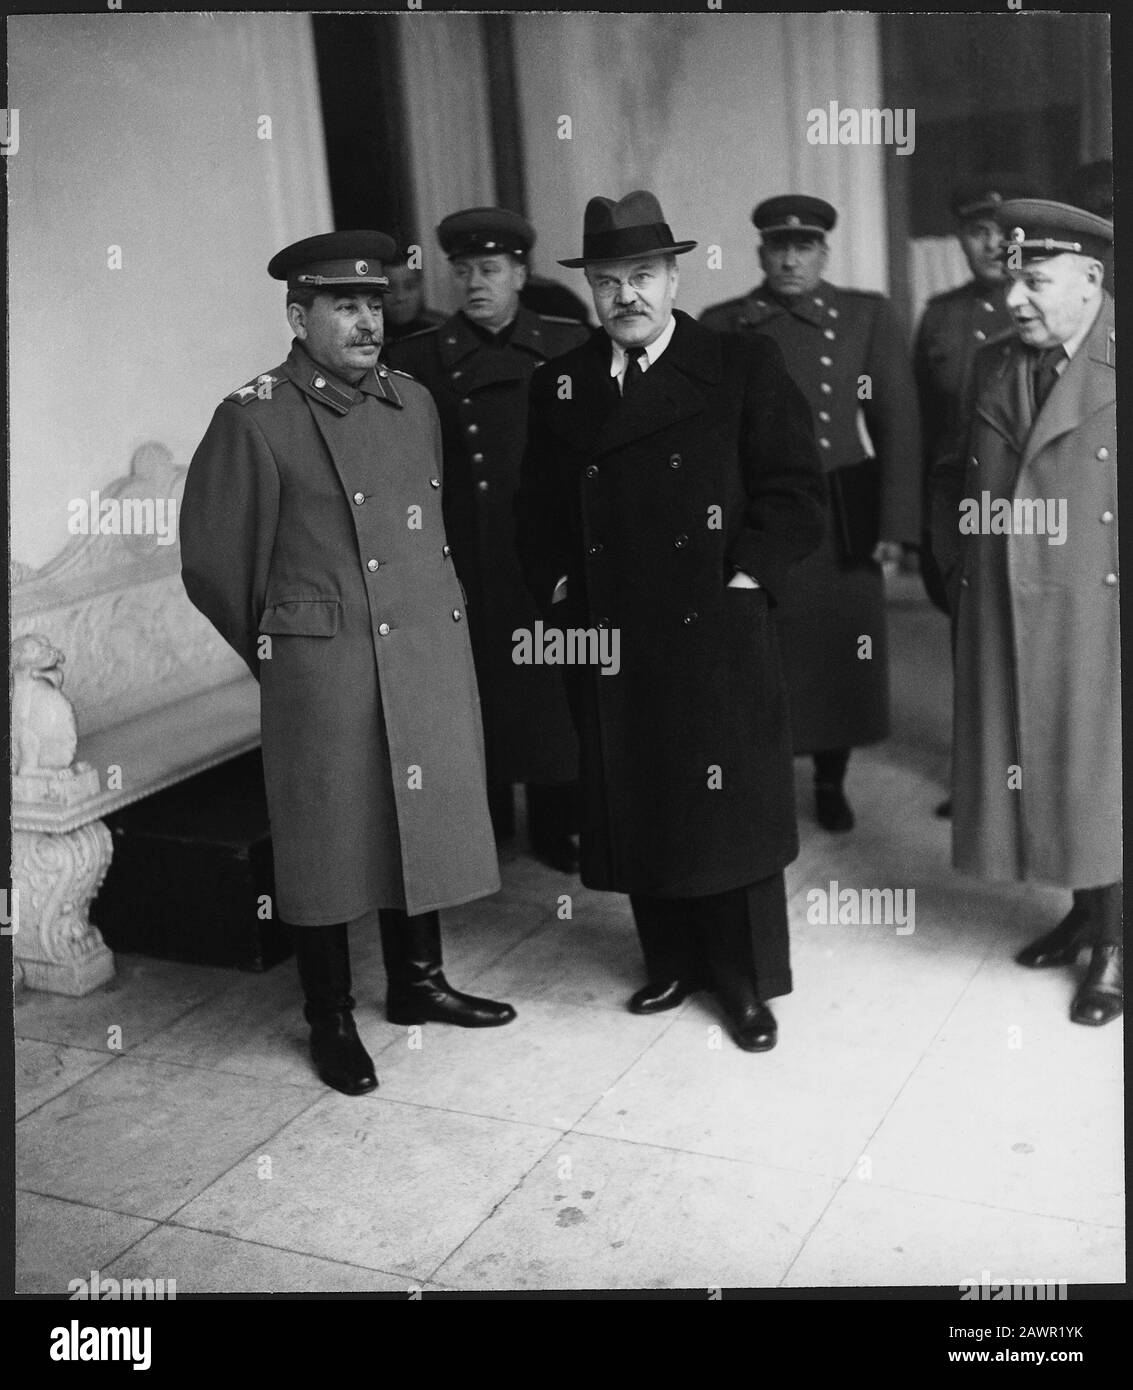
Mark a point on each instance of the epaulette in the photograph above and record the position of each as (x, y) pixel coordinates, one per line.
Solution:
(259, 388)
(561, 318)
(397, 370)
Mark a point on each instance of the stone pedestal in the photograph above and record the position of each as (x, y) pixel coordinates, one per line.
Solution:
(54, 878)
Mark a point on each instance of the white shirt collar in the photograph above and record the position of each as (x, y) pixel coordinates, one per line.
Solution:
(652, 352)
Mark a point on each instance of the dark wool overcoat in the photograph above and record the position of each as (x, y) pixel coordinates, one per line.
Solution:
(648, 505)
(481, 394)
(312, 538)
(847, 353)
(1036, 759)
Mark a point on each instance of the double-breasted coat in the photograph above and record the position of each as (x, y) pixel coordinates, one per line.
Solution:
(953, 328)
(312, 538)
(647, 505)
(831, 340)
(1037, 740)
(480, 389)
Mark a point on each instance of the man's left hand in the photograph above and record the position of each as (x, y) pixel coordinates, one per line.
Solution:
(887, 552)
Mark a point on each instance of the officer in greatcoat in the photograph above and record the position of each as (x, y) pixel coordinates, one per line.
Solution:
(1025, 528)
(312, 538)
(477, 364)
(670, 482)
(954, 326)
(846, 351)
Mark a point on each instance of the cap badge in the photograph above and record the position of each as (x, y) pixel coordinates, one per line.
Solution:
(362, 267)
(1018, 234)
(793, 220)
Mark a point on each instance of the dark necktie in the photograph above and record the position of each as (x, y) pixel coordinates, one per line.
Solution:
(1044, 373)
(634, 370)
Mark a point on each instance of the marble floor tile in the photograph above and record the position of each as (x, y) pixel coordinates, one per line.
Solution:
(546, 1068)
(59, 1241)
(143, 1137)
(598, 1214)
(808, 1105)
(874, 1236)
(388, 1186)
(201, 1262)
(144, 996)
(44, 1070)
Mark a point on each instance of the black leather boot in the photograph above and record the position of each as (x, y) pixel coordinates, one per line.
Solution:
(1102, 996)
(323, 957)
(1063, 945)
(417, 989)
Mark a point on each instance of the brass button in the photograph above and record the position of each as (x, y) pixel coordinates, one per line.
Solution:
(372, 565)
(434, 482)
(819, 302)
(596, 548)
(989, 306)
(477, 458)
(383, 628)
(592, 471)
(457, 374)
(829, 333)
(319, 383)
(826, 388)
(824, 443)
(675, 460)
(680, 541)
(482, 485)
(473, 428)
(382, 372)
(1103, 453)
(691, 617)
(467, 400)
(833, 313)
(980, 335)
(1107, 517)
(446, 551)
(456, 615)
(1111, 580)
(359, 498)
(973, 462)
(827, 361)
(963, 583)
(824, 416)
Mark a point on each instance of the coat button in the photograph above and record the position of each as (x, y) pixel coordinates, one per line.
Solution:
(824, 416)
(824, 443)
(434, 482)
(373, 565)
(829, 333)
(680, 541)
(1111, 580)
(988, 305)
(467, 400)
(827, 361)
(382, 372)
(979, 335)
(826, 388)
(603, 623)
(1107, 517)
(456, 615)
(457, 374)
(833, 313)
(1103, 453)
(383, 628)
(675, 460)
(819, 302)
(691, 617)
(446, 551)
(319, 383)
(973, 462)
(359, 498)
(596, 549)
(963, 583)
(482, 485)
(473, 428)
(592, 471)
(477, 458)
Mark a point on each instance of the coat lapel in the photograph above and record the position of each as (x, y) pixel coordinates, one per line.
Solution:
(1005, 401)
(669, 391)
(1087, 385)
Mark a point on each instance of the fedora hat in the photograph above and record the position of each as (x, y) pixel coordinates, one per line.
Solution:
(634, 226)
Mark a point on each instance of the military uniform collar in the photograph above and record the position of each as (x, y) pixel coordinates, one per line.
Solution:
(322, 385)
(761, 305)
(457, 338)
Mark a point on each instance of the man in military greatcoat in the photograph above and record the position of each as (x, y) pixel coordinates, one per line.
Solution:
(670, 483)
(312, 538)
(1025, 529)
(954, 326)
(477, 364)
(846, 351)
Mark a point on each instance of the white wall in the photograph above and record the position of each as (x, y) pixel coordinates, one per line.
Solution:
(710, 113)
(141, 131)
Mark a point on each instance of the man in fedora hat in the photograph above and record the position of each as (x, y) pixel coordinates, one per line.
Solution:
(1025, 529)
(670, 481)
(834, 340)
(477, 364)
(312, 538)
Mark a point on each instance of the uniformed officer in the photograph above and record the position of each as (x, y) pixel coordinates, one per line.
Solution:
(955, 325)
(312, 538)
(1025, 529)
(404, 311)
(477, 365)
(846, 351)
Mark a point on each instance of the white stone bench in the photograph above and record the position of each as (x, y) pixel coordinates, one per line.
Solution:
(158, 696)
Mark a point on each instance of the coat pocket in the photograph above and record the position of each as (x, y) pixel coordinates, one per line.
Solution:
(302, 617)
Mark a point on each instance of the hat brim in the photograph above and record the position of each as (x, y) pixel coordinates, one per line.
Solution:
(678, 248)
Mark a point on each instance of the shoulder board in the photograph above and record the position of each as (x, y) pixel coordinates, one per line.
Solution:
(397, 370)
(259, 388)
(561, 318)
(861, 294)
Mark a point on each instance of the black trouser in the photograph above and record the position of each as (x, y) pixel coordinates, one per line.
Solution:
(741, 933)
(1103, 907)
(830, 766)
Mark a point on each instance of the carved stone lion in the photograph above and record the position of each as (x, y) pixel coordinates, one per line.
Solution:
(44, 737)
